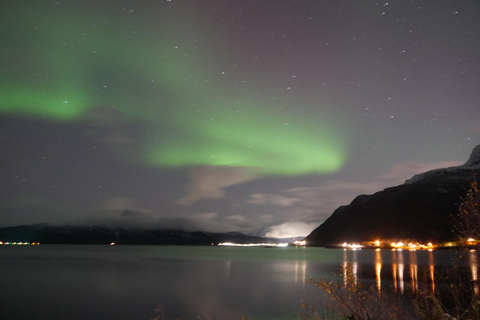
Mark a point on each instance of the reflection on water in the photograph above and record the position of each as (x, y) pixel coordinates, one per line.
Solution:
(400, 266)
(413, 270)
(353, 262)
(472, 260)
(397, 270)
(228, 268)
(431, 269)
(131, 282)
(300, 272)
(378, 269)
(406, 265)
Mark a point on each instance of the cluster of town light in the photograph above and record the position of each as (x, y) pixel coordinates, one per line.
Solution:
(353, 246)
(300, 243)
(411, 246)
(406, 245)
(19, 243)
(472, 242)
(394, 245)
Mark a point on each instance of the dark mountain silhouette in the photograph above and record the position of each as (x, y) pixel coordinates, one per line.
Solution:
(422, 209)
(47, 234)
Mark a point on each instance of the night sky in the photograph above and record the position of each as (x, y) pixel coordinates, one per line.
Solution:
(228, 115)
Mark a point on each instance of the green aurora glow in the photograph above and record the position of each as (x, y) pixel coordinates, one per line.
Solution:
(65, 67)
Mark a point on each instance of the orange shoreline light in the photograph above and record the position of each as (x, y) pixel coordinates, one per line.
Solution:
(19, 243)
(408, 245)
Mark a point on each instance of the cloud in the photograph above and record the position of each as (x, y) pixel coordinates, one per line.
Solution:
(325, 198)
(117, 212)
(214, 222)
(314, 204)
(291, 229)
(309, 206)
(121, 212)
(272, 199)
(108, 128)
(117, 203)
(17, 210)
(407, 169)
(209, 182)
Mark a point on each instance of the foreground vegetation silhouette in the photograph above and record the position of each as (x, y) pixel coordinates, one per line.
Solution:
(455, 296)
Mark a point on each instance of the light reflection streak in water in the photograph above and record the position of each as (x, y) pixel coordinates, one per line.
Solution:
(354, 265)
(472, 260)
(300, 269)
(394, 270)
(228, 268)
(378, 269)
(405, 267)
(413, 270)
(431, 269)
(401, 267)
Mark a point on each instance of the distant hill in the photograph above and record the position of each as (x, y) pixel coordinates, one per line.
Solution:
(47, 234)
(421, 209)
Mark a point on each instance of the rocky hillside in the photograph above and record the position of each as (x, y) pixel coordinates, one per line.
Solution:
(421, 209)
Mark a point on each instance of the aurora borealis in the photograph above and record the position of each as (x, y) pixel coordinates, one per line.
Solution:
(227, 115)
(152, 81)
